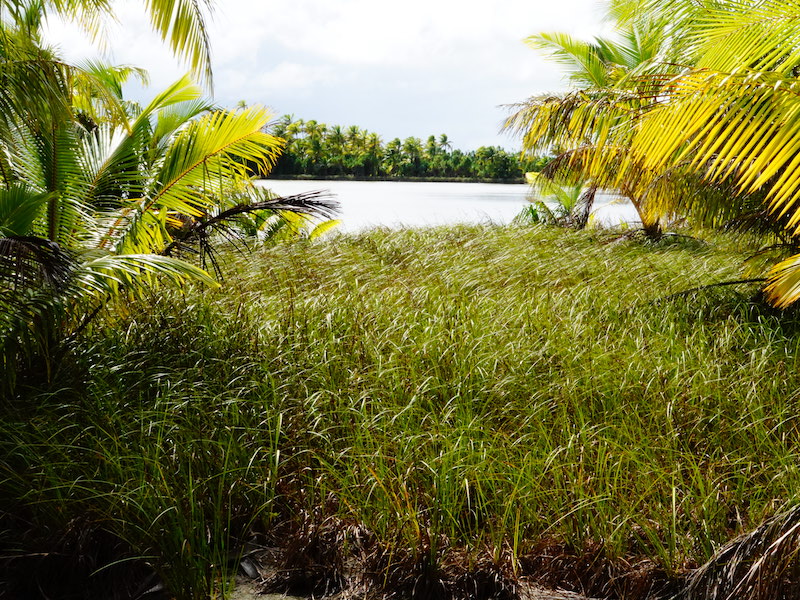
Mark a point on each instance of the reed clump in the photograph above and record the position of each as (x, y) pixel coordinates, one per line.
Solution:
(440, 413)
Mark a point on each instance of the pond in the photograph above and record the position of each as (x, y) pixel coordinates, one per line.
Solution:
(366, 204)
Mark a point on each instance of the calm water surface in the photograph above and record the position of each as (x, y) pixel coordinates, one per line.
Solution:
(366, 204)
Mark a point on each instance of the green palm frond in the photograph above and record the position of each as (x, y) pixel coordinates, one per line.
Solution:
(584, 62)
(110, 160)
(36, 85)
(109, 79)
(208, 155)
(172, 118)
(181, 90)
(20, 207)
(107, 274)
(181, 23)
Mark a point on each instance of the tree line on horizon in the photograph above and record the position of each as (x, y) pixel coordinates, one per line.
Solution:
(320, 150)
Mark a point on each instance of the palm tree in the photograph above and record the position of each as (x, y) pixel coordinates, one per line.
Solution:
(445, 144)
(730, 122)
(88, 211)
(393, 157)
(372, 154)
(315, 137)
(591, 127)
(560, 205)
(412, 157)
(334, 148)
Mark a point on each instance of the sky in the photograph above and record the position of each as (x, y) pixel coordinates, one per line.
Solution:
(397, 68)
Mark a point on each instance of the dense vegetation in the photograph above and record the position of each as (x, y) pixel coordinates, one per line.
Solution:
(689, 112)
(514, 399)
(100, 197)
(320, 150)
(436, 413)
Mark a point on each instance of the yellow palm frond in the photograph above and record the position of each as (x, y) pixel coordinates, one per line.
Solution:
(783, 282)
(736, 35)
(745, 127)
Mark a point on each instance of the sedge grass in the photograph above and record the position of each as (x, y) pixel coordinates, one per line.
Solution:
(480, 389)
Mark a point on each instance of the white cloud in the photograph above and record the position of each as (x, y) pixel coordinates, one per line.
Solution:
(387, 32)
(442, 61)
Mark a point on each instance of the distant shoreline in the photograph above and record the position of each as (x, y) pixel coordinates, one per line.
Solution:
(515, 180)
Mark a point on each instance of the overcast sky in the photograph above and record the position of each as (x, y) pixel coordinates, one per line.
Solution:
(399, 68)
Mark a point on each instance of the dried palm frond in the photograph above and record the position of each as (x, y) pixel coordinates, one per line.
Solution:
(761, 565)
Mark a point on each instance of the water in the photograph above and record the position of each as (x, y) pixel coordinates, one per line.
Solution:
(366, 204)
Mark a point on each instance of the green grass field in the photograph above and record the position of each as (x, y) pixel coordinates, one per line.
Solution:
(468, 396)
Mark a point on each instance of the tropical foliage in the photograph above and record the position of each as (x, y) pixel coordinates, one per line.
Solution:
(99, 197)
(731, 122)
(589, 128)
(693, 114)
(314, 148)
(554, 204)
(181, 24)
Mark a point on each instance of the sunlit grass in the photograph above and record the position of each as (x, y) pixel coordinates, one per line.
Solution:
(479, 388)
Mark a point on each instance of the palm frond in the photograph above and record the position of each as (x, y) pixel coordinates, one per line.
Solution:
(575, 118)
(105, 275)
(745, 127)
(20, 207)
(760, 565)
(759, 36)
(209, 155)
(29, 262)
(315, 204)
(181, 23)
(783, 282)
(584, 62)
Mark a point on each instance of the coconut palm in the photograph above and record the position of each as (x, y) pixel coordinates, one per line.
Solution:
(731, 122)
(591, 127)
(554, 204)
(91, 211)
(393, 157)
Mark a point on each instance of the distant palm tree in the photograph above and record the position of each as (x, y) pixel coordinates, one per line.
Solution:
(393, 157)
(372, 154)
(412, 156)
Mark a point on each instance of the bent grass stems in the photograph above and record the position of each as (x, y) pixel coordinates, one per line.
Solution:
(465, 394)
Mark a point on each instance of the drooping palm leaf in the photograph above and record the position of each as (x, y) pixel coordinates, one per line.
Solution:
(742, 126)
(29, 262)
(179, 23)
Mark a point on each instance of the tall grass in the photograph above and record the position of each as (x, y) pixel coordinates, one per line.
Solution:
(474, 391)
